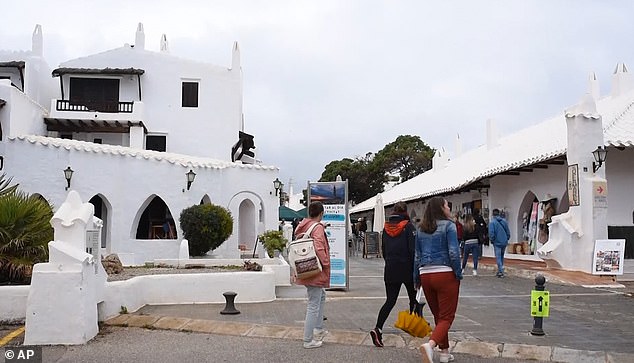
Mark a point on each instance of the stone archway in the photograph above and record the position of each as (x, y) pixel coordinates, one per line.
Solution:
(247, 232)
(525, 230)
(564, 204)
(154, 220)
(103, 210)
(205, 200)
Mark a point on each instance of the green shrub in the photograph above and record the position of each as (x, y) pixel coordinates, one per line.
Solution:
(206, 227)
(273, 241)
(25, 231)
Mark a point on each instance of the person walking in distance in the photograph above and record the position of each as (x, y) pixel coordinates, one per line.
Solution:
(499, 235)
(459, 231)
(470, 244)
(315, 285)
(437, 263)
(398, 252)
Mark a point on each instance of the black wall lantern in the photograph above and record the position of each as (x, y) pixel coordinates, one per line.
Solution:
(599, 158)
(190, 178)
(277, 184)
(68, 174)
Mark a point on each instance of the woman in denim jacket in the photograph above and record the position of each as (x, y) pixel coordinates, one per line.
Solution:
(437, 262)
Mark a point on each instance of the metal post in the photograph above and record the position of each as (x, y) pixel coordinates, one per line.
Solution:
(230, 307)
(540, 280)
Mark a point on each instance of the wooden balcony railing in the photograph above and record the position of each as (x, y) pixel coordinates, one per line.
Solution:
(110, 107)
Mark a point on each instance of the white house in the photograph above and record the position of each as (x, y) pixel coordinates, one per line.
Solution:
(133, 125)
(515, 173)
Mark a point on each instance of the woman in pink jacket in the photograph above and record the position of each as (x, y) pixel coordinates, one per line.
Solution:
(315, 285)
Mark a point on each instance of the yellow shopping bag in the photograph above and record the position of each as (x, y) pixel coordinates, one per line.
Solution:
(413, 324)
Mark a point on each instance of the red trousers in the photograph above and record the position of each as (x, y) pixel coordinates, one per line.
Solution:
(441, 291)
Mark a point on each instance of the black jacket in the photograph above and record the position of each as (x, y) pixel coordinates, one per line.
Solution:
(398, 238)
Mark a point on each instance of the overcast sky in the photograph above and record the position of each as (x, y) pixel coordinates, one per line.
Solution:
(324, 80)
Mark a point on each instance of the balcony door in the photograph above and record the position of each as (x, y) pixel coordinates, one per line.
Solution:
(96, 94)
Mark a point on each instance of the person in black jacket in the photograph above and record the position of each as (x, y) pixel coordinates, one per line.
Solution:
(398, 239)
(471, 244)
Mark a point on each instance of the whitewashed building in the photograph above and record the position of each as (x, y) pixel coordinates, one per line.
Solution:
(515, 173)
(131, 123)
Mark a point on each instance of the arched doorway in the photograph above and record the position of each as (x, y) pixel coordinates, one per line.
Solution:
(156, 221)
(246, 224)
(564, 204)
(102, 211)
(527, 221)
(205, 200)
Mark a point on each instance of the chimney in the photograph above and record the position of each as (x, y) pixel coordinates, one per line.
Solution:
(164, 45)
(492, 134)
(593, 86)
(440, 159)
(235, 57)
(37, 41)
(458, 145)
(139, 41)
(621, 80)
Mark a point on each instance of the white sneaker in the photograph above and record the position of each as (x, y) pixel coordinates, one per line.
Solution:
(475, 272)
(446, 357)
(427, 353)
(319, 334)
(313, 344)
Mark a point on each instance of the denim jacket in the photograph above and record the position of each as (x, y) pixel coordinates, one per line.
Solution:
(438, 248)
(499, 233)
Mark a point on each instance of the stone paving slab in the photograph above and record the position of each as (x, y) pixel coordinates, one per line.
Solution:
(230, 328)
(171, 323)
(119, 320)
(524, 351)
(141, 321)
(199, 326)
(270, 331)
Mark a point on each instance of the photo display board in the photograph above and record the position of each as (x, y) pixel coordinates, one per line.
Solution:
(334, 196)
(608, 257)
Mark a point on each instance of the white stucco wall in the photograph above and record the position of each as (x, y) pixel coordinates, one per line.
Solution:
(187, 288)
(507, 191)
(218, 116)
(38, 83)
(620, 175)
(21, 114)
(13, 303)
(128, 183)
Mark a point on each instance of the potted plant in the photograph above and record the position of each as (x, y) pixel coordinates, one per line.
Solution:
(273, 241)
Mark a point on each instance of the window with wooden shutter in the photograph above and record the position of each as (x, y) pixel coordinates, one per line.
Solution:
(190, 94)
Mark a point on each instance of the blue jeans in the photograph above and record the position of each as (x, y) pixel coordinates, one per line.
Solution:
(314, 311)
(499, 258)
(474, 249)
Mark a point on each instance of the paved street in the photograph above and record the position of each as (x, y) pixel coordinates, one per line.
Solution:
(493, 314)
(151, 346)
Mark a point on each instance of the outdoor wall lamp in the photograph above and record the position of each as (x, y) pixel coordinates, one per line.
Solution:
(599, 156)
(277, 184)
(68, 174)
(190, 178)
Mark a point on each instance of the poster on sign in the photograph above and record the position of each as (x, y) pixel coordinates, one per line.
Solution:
(334, 196)
(608, 257)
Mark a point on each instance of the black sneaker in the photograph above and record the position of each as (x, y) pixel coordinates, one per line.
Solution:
(377, 337)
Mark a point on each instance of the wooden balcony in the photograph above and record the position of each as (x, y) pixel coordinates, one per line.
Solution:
(108, 107)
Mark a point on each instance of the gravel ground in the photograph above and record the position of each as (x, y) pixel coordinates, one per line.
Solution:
(130, 272)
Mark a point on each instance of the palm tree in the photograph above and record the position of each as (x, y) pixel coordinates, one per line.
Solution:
(5, 188)
(25, 231)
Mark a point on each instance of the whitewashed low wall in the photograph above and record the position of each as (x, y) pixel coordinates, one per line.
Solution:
(251, 286)
(13, 303)
(278, 265)
(134, 293)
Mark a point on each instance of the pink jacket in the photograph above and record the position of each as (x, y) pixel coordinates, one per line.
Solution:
(322, 249)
